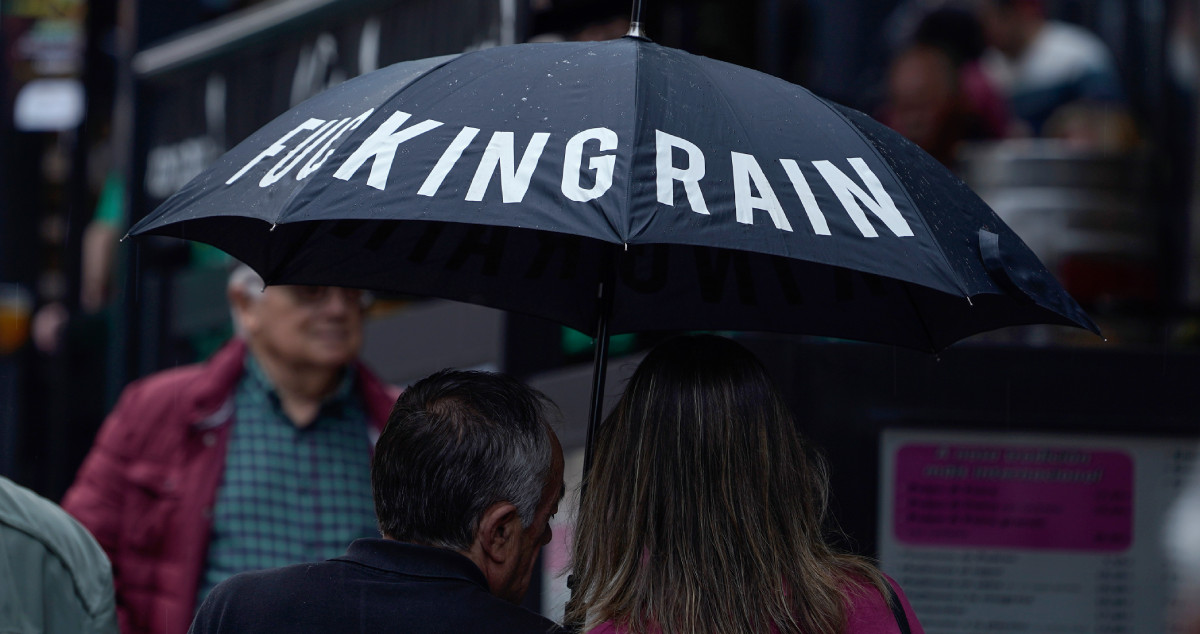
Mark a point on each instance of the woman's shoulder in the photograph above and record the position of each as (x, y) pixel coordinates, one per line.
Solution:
(611, 627)
(868, 610)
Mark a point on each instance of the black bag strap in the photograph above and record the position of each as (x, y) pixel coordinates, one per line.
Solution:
(898, 610)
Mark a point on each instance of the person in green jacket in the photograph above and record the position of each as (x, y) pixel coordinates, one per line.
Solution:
(58, 579)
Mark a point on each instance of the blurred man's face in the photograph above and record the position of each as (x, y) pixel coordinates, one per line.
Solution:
(921, 96)
(317, 327)
(538, 534)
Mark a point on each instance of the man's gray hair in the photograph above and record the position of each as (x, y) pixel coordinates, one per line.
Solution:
(242, 277)
(456, 443)
(244, 281)
(522, 465)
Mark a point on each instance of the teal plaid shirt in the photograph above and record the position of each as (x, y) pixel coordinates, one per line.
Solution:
(290, 495)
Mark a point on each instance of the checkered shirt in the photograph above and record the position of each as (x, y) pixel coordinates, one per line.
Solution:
(290, 495)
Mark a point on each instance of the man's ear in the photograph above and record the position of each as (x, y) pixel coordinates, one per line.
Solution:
(498, 531)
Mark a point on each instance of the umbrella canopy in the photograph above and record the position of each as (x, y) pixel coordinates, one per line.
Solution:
(618, 184)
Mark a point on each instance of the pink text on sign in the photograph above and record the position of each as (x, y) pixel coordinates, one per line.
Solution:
(1017, 497)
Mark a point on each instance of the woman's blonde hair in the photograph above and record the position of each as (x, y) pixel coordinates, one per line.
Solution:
(704, 510)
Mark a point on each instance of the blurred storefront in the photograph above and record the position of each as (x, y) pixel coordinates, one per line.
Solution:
(42, 113)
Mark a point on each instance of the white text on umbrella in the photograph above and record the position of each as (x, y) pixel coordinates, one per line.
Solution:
(752, 189)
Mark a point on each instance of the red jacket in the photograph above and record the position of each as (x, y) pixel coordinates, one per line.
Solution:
(147, 487)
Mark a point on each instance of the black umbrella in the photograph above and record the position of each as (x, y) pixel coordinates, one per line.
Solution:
(614, 187)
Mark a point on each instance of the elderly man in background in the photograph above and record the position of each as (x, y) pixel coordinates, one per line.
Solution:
(466, 476)
(259, 457)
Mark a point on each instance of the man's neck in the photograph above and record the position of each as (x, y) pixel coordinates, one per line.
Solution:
(301, 389)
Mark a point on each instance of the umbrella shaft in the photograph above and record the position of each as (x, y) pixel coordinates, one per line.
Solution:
(599, 372)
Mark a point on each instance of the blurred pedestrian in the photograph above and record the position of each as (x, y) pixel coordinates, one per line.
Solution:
(937, 93)
(56, 577)
(958, 32)
(1044, 65)
(257, 458)
(925, 102)
(704, 512)
(467, 475)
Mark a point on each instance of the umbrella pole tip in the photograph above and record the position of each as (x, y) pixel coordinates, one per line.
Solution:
(635, 22)
(636, 33)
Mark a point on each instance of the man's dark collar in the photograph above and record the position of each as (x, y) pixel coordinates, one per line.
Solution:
(411, 559)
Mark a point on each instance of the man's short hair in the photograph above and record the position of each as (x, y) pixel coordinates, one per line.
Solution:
(456, 443)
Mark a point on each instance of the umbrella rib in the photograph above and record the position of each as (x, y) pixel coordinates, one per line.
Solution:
(625, 233)
(728, 105)
(962, 288)
(701, 71)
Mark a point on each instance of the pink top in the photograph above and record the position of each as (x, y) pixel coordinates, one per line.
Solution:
(869, 614)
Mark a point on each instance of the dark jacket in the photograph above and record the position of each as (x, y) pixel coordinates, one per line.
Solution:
(147, 487)
(379, 585)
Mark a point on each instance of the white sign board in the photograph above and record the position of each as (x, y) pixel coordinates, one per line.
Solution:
(991, 532)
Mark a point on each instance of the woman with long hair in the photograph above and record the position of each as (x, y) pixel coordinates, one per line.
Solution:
(704, 512)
